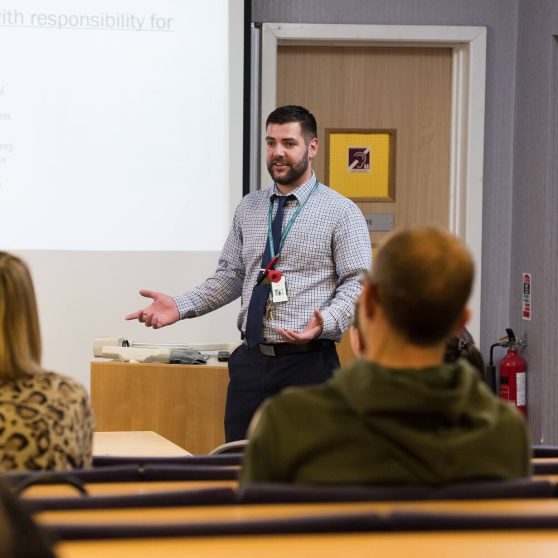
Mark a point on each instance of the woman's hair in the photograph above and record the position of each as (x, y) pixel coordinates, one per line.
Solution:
(463, 346)
(20, 336)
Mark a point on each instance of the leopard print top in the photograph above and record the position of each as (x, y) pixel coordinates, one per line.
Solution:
(46, 423)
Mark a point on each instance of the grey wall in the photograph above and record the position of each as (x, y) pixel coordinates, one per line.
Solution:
(520, 231)
(535, 208)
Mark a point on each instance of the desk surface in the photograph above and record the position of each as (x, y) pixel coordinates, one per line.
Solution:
(511, 544)
(139, 443)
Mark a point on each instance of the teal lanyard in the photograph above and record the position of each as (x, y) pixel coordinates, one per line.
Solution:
(289, 224)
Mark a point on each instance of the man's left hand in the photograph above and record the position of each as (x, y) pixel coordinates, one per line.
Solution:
(312, 330)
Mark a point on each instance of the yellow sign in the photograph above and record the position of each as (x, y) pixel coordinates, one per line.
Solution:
(360, 163)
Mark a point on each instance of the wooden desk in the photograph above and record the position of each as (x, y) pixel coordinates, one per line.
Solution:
(508, 544)
(511, 544)
(135, 444)
(553, 460)
(183, 403)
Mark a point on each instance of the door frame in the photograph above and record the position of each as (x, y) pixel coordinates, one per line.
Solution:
(468, 45)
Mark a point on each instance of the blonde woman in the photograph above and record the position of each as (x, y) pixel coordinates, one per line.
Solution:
(45, 418)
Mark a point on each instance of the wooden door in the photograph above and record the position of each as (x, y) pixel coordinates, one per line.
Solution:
(403, 88)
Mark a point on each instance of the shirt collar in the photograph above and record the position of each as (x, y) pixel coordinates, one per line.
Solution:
(301, 192)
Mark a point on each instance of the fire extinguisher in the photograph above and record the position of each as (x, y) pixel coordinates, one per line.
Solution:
(513, 376)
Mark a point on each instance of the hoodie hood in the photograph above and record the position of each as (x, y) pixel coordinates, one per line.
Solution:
(449, 391)
(435, 421)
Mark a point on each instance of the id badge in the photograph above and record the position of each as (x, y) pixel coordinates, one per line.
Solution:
(279, 291)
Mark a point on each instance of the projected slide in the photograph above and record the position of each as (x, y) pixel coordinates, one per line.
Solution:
(114, 124)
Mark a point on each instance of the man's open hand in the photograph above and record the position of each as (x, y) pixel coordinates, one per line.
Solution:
(312, 330)
(162, 312)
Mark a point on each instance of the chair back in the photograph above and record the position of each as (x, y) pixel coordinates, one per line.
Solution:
(111, 460)
(236, 447)
(123, 473)
(338, 523)
(204, 497)
(432, 521)
(189, 472)
(278, 493)
(545, 451)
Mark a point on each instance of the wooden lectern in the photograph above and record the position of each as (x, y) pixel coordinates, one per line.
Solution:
(183, 403)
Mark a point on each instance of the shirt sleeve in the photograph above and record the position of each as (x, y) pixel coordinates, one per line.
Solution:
(224, 286)
(352, 254)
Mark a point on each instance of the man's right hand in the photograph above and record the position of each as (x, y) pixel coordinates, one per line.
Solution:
(162, 312)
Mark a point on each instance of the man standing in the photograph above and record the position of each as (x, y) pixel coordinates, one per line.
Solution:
(397, 415)
(313, 243)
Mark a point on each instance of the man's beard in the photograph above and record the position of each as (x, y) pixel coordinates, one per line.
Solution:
(296, 170)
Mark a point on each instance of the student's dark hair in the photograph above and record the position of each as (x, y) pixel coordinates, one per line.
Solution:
(463, 346)
(423, 278)
(295, 113)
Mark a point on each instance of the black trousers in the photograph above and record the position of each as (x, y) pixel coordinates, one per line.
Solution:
(253, 377)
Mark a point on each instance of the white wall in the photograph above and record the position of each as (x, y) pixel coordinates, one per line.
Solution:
(83, 295)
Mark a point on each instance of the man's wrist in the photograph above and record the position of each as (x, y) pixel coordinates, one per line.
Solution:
(319, 333)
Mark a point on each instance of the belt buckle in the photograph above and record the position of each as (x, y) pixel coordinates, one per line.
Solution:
(267, 350)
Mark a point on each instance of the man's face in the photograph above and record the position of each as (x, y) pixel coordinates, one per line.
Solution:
(287, 154)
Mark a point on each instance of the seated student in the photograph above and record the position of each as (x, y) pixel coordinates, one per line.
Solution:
(45, 418)
(463, 345)
(458, 346)
(398, 415)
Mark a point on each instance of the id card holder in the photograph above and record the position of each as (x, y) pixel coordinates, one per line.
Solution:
(279, 291)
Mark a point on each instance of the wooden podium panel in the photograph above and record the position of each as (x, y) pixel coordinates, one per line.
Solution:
(183, 403)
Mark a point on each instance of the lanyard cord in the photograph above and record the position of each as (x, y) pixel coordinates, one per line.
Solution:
(289, 224)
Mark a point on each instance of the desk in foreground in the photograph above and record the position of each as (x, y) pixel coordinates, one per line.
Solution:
(434, 544)
(379, 545)
(183, 403)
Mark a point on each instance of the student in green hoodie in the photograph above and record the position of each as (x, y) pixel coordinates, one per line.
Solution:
(399, 414)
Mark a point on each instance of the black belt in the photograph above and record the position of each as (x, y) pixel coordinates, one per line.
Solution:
(281, 349)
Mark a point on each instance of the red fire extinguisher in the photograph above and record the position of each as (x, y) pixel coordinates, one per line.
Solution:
(513, 378)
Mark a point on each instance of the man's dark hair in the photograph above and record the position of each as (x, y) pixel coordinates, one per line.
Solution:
(295, 113)
(423, 278)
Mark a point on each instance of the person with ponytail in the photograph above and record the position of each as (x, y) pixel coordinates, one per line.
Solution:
(46, 422)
